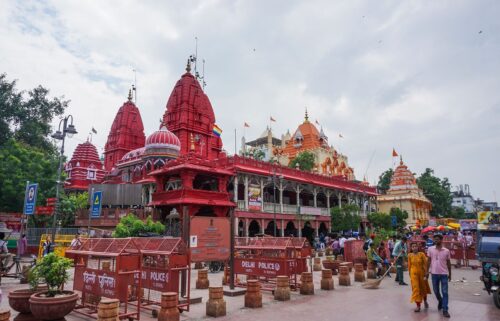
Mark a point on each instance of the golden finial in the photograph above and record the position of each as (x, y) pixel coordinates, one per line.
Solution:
(130, 95)
(306, 117)
(188, 66)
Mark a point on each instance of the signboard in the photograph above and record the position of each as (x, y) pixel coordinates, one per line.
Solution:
(11, 221)
(254, 198)
(211, 237)
(30, 199)
(394, 220)
(96, 204)
(45, 210)
(468, 224)
(488, 220)
(158, 280)
(100, 283)
(263, 266)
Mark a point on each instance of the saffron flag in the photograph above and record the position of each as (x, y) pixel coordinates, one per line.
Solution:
(394, 154)
(216, 130)
(272, 119)
(246, 125)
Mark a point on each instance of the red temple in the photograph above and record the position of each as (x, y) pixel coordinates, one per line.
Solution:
(84, 168)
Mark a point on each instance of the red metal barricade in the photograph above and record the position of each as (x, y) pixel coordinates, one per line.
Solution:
(353, 251)
(105, 268)
(165, 268)
(266, 258)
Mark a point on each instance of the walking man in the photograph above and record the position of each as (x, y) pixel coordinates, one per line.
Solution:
(439, 265)
(400, 251)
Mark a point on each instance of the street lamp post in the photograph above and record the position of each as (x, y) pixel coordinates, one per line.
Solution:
(70, 130)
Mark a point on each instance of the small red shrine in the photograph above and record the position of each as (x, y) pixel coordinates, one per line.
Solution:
(84, 168)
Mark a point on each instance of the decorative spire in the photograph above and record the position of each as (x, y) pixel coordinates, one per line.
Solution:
(400, 159)
(188, 66)
(306, 118)
(130, 95)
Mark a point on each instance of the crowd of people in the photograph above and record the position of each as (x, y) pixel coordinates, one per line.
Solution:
(425, 256)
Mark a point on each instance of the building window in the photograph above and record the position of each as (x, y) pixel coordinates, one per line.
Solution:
(91, 174)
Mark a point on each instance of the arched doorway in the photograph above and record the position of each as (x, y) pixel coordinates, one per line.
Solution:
(241, 228)
(323, 229)
(270, 229)
(253, 228)
(290, 229)
(308, 232)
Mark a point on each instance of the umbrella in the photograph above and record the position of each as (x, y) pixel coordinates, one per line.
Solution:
(428, 229)
(442, 228)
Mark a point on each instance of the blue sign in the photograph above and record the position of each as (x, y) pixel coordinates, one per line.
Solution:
(394, 220)
(30, 199)
(96, 204)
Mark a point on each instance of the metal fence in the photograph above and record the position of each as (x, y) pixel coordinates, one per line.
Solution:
(33, 234)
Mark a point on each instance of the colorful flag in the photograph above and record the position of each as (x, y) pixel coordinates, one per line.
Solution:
(272, 119)
(216, 130)
(246, 125)
(94, 131)
(340, 136)
(394, 154)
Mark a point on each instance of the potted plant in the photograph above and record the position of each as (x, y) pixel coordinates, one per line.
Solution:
(55, 303)
(19, 299)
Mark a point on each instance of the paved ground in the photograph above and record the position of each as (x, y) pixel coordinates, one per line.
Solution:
(391, 302)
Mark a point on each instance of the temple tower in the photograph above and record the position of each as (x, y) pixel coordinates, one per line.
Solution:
(84, 168)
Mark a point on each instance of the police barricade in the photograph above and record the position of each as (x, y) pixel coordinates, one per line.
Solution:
(105, 268)
(165, 260)
(353, 252)
(265, 258)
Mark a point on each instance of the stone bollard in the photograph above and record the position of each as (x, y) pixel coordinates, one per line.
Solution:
(336, 265)
(317, 264)
(344, 278)
(327, 280)
(253, 297)
(282, 292)
(202, 281)
(198, 266)
(108, 309)
(4, 314)
(306, 283)
(359, 273)
(169, 310)
(348, 264)
(216, 306)
(371, 272)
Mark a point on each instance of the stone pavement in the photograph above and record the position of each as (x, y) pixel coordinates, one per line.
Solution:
(390, 302)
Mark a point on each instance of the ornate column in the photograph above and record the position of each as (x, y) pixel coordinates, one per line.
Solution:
(281, 196)
(282, 228)
(297, 190)
(236, 190)
(262, 195)
(262, 228)
(246, 227)
(328, 193)
(246, 192)
(340, 199)
(315, 197)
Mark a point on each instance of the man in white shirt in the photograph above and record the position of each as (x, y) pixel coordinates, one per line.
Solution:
(341, 244)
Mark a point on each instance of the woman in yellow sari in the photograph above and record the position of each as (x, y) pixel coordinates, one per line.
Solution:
(417, 267)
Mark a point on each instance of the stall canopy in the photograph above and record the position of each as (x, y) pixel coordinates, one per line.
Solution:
(160, 245)
(106, 247)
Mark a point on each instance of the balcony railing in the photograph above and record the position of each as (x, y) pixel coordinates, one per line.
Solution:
(289, 209)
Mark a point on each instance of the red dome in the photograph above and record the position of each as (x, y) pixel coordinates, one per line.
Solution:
(163, 138)
(85, 152)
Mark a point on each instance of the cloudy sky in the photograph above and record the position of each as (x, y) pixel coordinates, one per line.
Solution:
(420, 76)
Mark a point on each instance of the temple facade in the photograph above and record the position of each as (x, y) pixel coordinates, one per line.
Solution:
(187, 173)
(405, 194)
(84, 168)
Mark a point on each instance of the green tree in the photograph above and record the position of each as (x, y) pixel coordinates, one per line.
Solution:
(345, 218)
(20, 163)
(69, 205)
(305, 160)
(130, 225)
(384, 181)
(458, 213)
(401, 217)
(438, 191)
(27, 116)
(380, 220)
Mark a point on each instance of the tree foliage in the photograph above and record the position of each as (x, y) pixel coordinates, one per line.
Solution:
(305, 159)
(345, 218)
(380, 220)
(384, 181)
(52, 270)
(20, 163)
(69, 205)
(438, 191)
(27, 116)
(130, 225)
(401, 217)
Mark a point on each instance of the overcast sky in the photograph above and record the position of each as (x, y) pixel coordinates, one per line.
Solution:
(420, 76)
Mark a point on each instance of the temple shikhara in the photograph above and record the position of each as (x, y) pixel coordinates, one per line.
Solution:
(182, 171)
(405, 194)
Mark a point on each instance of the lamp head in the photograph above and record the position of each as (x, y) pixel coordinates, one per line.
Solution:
(57, 135)
(71, 130)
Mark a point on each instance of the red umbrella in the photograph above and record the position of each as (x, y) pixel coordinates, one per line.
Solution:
(428, 229)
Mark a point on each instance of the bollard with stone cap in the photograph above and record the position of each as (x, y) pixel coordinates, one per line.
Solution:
(202, 281)
(344, 278)
(4, 314)
(282, 291)
(216, 306)
(359, 273)
(306, 283)
(371, 272)
(169, 310)
(108, 309)
(253, 296)
(327, 280)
